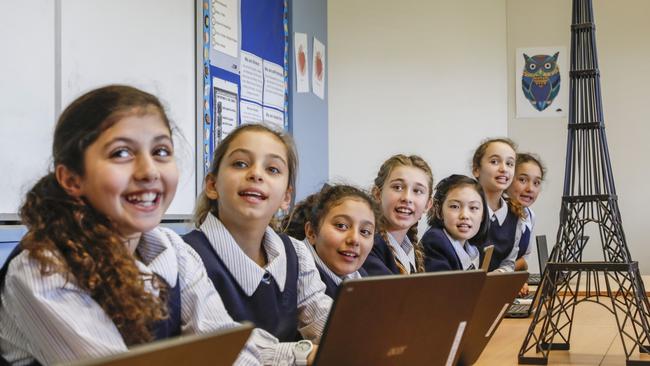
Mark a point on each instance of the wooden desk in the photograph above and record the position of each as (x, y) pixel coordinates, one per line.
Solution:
(594, 341)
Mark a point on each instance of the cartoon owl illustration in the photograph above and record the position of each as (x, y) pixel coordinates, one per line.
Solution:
(540, 80)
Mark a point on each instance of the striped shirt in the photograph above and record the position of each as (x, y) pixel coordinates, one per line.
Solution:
(404, 250)
(313, 304)
(54, 321)
(319, 262)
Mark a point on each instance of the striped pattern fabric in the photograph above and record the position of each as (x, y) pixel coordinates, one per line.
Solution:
(52, 320)
(313, 304)
(404, 253)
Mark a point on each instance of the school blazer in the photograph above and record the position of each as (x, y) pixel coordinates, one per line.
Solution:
(439, 253)
(381, 260)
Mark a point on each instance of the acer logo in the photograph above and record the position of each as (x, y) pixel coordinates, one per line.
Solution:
(396, 351)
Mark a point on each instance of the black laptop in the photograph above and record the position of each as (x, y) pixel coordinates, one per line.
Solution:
(542, 256)
(417, 319)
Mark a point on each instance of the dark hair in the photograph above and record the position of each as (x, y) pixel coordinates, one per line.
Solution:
(68, 236)
(315, 207)
(523, 158)
(513, 205)
(383, 174)
(435, 218)
(204, 205)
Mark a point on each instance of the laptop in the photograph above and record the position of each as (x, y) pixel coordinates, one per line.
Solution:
(542, 257)
(495, 298)
(418, 319)
(219, 348)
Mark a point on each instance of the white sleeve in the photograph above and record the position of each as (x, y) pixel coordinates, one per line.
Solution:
(313, 304)
(60, 321)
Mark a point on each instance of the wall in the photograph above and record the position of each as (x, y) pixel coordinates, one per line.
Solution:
(68, 47)
(415, 77)
(308, 113)
(623, 49)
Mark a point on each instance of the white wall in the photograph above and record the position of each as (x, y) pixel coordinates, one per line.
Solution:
(414, 77)
(622, 28)
(147, 43)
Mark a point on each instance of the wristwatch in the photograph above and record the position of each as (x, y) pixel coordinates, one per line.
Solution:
(301, 351)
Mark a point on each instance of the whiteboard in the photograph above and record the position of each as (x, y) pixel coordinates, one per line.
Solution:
(77, 45)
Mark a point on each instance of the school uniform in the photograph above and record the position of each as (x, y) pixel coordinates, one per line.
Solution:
(382, 257)
(504, 233)
(331, 280)
(284, 297)
(49, 319)
(443, 253)
(527, 224)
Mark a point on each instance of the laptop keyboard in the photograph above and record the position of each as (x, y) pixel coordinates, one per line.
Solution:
(534, 278)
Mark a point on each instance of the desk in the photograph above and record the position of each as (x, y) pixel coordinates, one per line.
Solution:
(594, 341)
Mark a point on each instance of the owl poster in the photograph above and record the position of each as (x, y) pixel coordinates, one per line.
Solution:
(542, 82)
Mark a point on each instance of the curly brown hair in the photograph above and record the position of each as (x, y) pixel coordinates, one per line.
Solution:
(383, 174)
(68, 236)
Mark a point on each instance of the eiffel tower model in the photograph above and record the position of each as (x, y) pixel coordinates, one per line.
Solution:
(589, 197)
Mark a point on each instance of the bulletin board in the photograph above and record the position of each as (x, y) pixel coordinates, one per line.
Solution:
(245, 68)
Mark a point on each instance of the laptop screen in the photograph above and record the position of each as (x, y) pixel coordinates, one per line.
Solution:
(542, 252)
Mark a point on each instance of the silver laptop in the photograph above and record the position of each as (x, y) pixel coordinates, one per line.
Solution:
(417, 319)
(496, 296)
(216, 349)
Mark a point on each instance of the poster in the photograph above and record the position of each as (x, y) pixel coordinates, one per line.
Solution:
(542, 82)
(318, 66)
(301, 52)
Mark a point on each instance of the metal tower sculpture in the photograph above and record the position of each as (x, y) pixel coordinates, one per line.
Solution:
(589, 197)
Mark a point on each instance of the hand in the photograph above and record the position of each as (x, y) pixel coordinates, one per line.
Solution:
(524, 290)
(312, 355)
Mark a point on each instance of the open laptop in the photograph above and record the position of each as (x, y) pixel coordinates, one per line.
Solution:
(216, 349)
(542, 257)
(418, 319)
(496, 296)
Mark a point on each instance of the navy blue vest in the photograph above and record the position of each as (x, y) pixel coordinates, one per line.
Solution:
(439, 253)
(524, 242)
(381, 260)
(503, 239)
(166, 328)
(268, 308)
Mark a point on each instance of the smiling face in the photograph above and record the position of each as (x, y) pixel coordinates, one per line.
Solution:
(527, 183)
(252, 180)
(462, 213)
(404, 197)
(496, 168)
(345, 236)
(130, 173)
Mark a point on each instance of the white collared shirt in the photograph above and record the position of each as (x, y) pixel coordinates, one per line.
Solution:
(507, 264)
(319, 262)
(404, 250)
(49, 318)
(313, 304)
(528, 223)
(467, 253)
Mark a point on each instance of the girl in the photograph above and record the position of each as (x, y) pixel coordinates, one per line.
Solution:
(338, 226)
(95, 274)
(493, 165)
(403, 189)
(459, 214)
(261, 276)
(529, 174)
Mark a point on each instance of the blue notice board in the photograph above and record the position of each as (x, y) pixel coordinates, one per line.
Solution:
(245, 67)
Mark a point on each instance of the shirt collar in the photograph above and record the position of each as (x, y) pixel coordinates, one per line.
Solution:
(402, 249)
(246, 272)
(501, 213)
(468, 254)
(157, 255)
(319, 262)
(528, 221)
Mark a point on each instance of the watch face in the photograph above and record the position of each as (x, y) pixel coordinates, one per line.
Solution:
(303, 346)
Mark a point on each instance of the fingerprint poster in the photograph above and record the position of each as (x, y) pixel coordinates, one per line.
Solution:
(541, 82)
(318, 66)
(302, 64)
